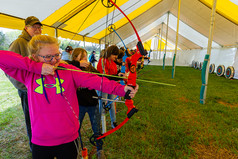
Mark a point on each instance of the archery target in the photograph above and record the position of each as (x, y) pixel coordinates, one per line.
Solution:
(193, 62)
(230, 71)
(200, 65)
(212, 68)
(220, 70)
(196, 65)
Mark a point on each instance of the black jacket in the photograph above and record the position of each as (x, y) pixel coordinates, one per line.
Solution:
(85, 96)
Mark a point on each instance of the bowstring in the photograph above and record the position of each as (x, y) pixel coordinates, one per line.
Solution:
(105, 53)
(113, 35)
(103, 62)
(81, 142)
(81, 128)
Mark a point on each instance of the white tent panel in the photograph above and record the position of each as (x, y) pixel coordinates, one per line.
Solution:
(144, 31)
(235, 64)
(25, 8)
(154, 47)
(189, 33)
(224, 57)
(185, 30)
(185, 57)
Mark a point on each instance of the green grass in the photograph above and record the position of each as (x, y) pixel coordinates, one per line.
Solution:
(13, 139)
(171, 123)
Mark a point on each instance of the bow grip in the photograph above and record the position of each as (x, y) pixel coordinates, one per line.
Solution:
(128, 92)
(132, 112)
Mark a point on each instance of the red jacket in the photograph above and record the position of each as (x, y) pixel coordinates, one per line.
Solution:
(110, 67)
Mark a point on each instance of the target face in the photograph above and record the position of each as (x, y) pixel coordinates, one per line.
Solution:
(212, 68)
(200, 65)
(196, 65)
(220, 70)
(230, 72)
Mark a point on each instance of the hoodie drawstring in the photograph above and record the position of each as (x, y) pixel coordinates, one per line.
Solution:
(44, 91)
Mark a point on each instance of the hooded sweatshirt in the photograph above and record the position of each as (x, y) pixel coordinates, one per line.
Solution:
(55, 121)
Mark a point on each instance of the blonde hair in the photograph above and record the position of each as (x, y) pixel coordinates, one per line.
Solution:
(78, 51)
(38, 41)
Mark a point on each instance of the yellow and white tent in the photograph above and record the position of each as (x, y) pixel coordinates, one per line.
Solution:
(88, 19)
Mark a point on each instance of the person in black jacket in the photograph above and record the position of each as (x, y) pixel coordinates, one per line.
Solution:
(88, 104)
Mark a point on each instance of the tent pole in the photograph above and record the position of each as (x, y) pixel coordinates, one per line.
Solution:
(167, 27)
(157, 50)
(161, 40)
(56, 33)
(84, 42)
(100, 45)
(206, 62)
(176, 44)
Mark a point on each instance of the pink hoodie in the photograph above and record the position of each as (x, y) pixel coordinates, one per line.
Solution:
(56, 122)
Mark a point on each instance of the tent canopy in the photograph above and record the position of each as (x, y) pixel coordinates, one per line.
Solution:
(89, 19)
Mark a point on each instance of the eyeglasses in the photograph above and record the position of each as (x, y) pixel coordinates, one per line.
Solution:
(48, 58)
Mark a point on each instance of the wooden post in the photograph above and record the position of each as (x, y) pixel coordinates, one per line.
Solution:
(206, 62)
(56, 33)
(167, 28)
(176, 44)
(161, 38)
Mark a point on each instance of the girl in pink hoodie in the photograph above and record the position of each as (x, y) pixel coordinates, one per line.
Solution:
(52, 99)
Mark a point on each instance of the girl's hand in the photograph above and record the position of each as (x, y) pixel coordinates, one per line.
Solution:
(122, 74)
(47, 69)
(133, 91)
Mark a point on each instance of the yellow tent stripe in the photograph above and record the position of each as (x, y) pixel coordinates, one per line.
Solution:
(226, 8)
(131, 16)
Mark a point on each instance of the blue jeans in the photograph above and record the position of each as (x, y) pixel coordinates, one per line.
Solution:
(25, 108)
(93, 64)
(94, 116)
(112, 111)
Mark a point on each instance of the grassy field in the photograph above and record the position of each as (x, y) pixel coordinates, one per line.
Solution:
(171, 123)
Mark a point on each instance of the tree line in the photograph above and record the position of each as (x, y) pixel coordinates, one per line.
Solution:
(8, 37)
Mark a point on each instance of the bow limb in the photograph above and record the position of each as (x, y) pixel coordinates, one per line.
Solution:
(123, 68)
(139, 44)
(134, 58)
(131, 111)
(131, 78)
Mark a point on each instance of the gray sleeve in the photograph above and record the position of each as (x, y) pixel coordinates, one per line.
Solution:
(19, 47)
(16, 84)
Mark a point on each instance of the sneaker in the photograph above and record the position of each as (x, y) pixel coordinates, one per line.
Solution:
(101, 155)
(114, 124)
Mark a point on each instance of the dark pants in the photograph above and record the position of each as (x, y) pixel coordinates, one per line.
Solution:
(64, 151)
(94, 116)
(25, 108)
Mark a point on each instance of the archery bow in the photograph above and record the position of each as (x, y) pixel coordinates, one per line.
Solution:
(131, 78)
